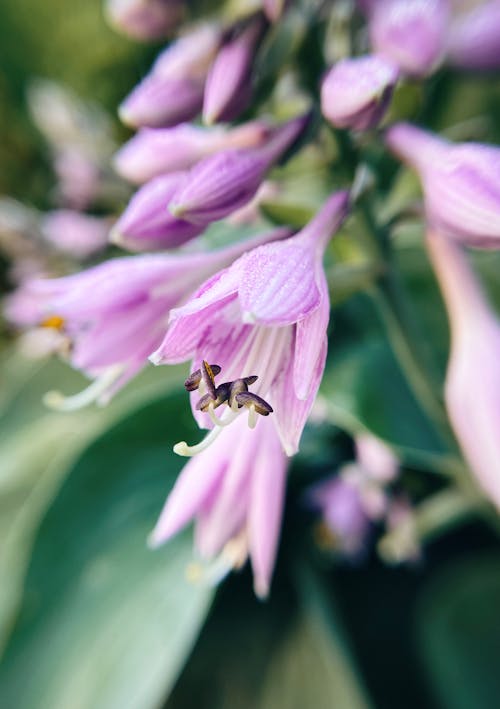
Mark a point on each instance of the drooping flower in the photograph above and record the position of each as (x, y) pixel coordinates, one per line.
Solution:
(147, 225)
(155, 151)
(461, 183)
(144, 19)
(228, 85)
(235, 493)
(472, 387)
(473, 37)
(356, 92)
(173, 90)
(221, 183)
(115, 314)
(266, 316)
(410, 33)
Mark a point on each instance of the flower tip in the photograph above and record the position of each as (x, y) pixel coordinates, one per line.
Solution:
(153, 542)
(116, 237)
(261, 588)
(209, 118)
(54, 400)
(126, 116)
(177, 210)
(155, 358)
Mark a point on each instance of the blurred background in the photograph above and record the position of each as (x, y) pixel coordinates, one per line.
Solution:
(89, 617)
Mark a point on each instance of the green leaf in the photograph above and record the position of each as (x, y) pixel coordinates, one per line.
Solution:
(105, 622)
(458, 628)
(38, 448)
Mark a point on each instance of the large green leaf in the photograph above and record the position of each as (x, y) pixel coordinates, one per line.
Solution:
(38, 447)
(105, 622)
(458, 626)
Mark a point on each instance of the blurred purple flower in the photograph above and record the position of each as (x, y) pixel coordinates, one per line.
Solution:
(461, 183)
(228, 85)
(115, 314)
(472, 387)
(410, 33)
(473, 39)
(267, 316)
(153, 151)
(221, 183)
(77, 234)
(144, 19)
(235, 491)
(356, 92)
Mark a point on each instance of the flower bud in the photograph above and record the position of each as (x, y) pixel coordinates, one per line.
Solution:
(473, 40)
(144, 19)
(153, 151)
(472, 387)
(173, 90)
(147, 224)
(410, 33)
(461, 183)
(227, 88)
(222, 183)
(356, 92)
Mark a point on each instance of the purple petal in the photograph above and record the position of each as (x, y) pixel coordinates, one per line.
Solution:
(157, 102)
(278, 285)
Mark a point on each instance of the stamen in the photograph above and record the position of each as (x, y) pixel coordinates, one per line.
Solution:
(252, 416)
(196, 378)
(55, 322)
(186, 451)
(214, 418)
(57, 401)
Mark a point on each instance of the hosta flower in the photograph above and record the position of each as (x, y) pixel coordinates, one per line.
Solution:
(235, 492)
(115, 314)
(155, 151)
(410, 33)
(355, 498)
(221, 183)
(144, 19)
(356, 92)
(472, 387)
(228, 86)
(461, 183)
(173, 90)
(265, 316)
(473, 37)
(146, 224)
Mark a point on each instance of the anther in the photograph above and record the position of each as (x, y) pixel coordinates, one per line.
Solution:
(194, 380)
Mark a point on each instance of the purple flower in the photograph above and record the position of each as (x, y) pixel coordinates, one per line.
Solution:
(473, 40)
(144, 19)
(356, 497)
(154, 151)
(265, 316)
(221, 183)
(147, 224)
(356, 92)
(410, 33)
(461, 183)
(79, 235)
(173, 91)
(235, 492)
(228, 89)
(115, 314)
(472, 387)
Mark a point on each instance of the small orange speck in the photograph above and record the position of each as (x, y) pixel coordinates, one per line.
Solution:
(54, 321)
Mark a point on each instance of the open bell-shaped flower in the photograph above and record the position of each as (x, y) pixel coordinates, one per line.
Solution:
(265, 316)
(461, 183)
(112, 316)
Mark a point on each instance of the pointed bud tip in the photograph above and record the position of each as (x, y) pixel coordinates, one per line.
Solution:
(177, 210)
(261, 588)
(156, 358)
